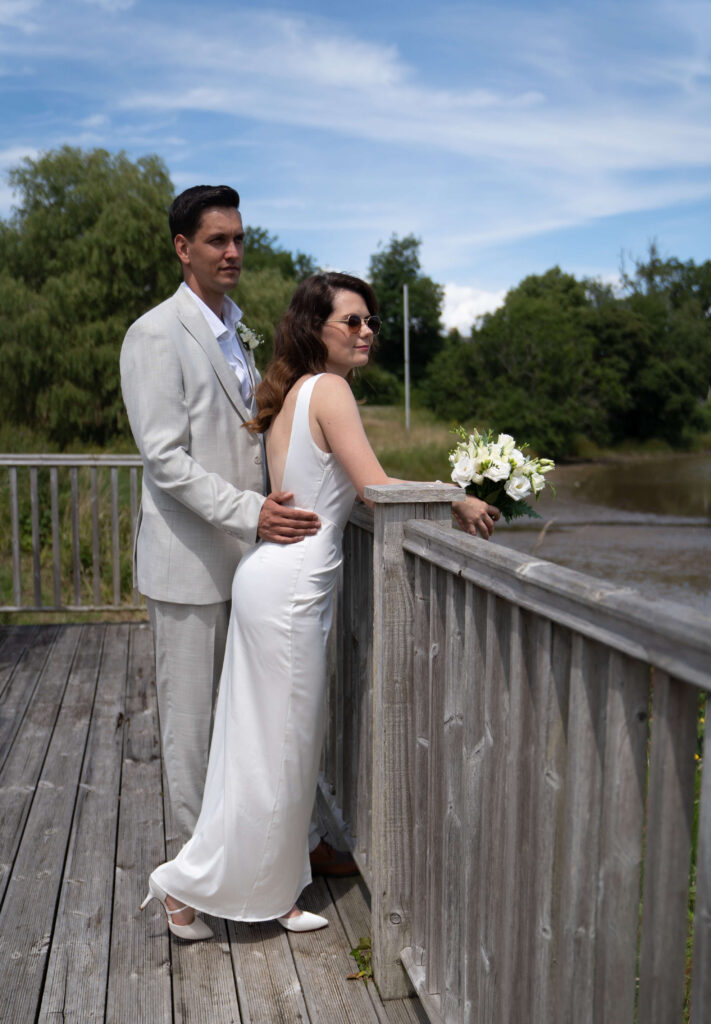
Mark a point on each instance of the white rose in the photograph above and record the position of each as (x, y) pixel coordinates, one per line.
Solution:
(463, 469)
(518, 486)
(498, 470)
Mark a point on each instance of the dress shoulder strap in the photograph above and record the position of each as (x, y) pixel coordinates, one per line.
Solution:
(303, 401)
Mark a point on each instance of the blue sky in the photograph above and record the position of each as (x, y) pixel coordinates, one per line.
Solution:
(509, 137)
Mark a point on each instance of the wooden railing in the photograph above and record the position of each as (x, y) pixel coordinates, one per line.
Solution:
(516, 751)
(67, 524)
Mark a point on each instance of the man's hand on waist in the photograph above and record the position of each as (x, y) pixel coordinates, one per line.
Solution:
(282, 524)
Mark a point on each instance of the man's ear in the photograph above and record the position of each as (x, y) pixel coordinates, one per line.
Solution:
(182, 248)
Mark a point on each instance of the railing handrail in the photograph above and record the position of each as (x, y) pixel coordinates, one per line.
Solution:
(671, 637)
(50, 459)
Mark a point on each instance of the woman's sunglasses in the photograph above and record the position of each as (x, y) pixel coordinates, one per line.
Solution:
(353, 321)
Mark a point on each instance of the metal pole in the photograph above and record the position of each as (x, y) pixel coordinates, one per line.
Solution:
(406, 339)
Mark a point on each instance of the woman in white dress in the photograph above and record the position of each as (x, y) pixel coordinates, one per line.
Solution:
(247, 859)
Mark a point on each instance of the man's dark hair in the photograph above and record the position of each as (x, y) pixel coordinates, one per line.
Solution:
(186, 209)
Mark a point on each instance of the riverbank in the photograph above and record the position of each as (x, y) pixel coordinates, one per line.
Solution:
(640, 521)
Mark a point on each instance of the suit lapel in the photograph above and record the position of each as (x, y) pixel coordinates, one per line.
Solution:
(252, 370)
(195, 324)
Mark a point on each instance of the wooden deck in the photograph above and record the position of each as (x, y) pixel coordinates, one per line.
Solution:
(82, 823)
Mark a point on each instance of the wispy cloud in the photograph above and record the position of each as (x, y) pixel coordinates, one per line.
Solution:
(111, 5)
(478, 127)
(464, 305)
(16, 14)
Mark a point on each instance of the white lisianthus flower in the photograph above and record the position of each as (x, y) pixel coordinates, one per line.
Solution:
(538, 482)
(463, 468)
(498, 469)
(506, 444)
(516, 457)
(518, 486)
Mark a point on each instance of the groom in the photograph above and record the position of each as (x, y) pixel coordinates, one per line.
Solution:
(188, 382)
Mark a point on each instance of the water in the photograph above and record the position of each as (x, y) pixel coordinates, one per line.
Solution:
(643, 522)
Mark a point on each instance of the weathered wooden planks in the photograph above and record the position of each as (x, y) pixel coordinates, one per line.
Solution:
(139, 977)
(82, 824)
(670, 807)
(323, 966)
(392, 671)
(512, 734)
(202, 972)
(24, 657)
(77, 973)
(621, 838)
(28, 910)
(350, 898)
(266, 975)
(701, 989)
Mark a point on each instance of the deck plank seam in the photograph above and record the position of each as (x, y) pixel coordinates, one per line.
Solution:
(127, 664)
(30, 698)
(40, 769)
(70, 829)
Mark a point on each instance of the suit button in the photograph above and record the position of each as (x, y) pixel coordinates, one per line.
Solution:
(258, 459)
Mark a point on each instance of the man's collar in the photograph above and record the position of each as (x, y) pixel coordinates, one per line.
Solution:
(231, 312)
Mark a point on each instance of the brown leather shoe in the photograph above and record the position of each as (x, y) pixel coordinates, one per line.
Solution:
(327, 861)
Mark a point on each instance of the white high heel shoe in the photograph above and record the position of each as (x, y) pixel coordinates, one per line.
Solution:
(303, 922)
(195, 931)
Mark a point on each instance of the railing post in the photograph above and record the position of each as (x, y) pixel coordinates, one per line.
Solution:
(392, 793)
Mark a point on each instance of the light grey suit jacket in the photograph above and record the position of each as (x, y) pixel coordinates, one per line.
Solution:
(203, 474)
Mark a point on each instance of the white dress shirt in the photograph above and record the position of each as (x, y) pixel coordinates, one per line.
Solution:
(225, 331)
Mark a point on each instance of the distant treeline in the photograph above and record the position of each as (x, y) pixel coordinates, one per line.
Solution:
(565, 360)
(563, 363)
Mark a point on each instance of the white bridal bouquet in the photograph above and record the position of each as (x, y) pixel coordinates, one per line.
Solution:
(498, 472)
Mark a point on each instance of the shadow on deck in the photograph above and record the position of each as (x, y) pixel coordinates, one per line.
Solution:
(82, 823)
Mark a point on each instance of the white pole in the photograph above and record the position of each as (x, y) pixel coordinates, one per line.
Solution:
(406, 339)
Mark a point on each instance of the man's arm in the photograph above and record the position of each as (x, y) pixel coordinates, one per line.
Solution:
(152, 384)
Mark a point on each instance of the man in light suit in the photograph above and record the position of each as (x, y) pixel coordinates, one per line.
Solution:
(188, 384)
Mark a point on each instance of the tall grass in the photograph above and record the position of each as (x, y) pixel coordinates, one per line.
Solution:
(417, 454)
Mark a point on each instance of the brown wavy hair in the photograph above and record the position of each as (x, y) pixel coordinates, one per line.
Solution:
(298, 348)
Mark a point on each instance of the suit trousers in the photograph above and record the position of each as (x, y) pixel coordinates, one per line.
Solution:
(190, 648)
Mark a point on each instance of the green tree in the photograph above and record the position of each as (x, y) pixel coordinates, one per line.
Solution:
(263, 295)
(528, 369)
(660, 349)
(390, 268)
(86, 252)
(262, 251)
(563, 359)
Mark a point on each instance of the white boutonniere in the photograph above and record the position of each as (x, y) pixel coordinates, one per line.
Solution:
(249, 338)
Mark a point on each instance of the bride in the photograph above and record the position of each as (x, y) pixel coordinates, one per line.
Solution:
(247, 859)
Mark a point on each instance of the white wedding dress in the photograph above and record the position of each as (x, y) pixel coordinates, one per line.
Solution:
(248, 857)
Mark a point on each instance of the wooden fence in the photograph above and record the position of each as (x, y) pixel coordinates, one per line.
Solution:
(516, 751)
(66, 532)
